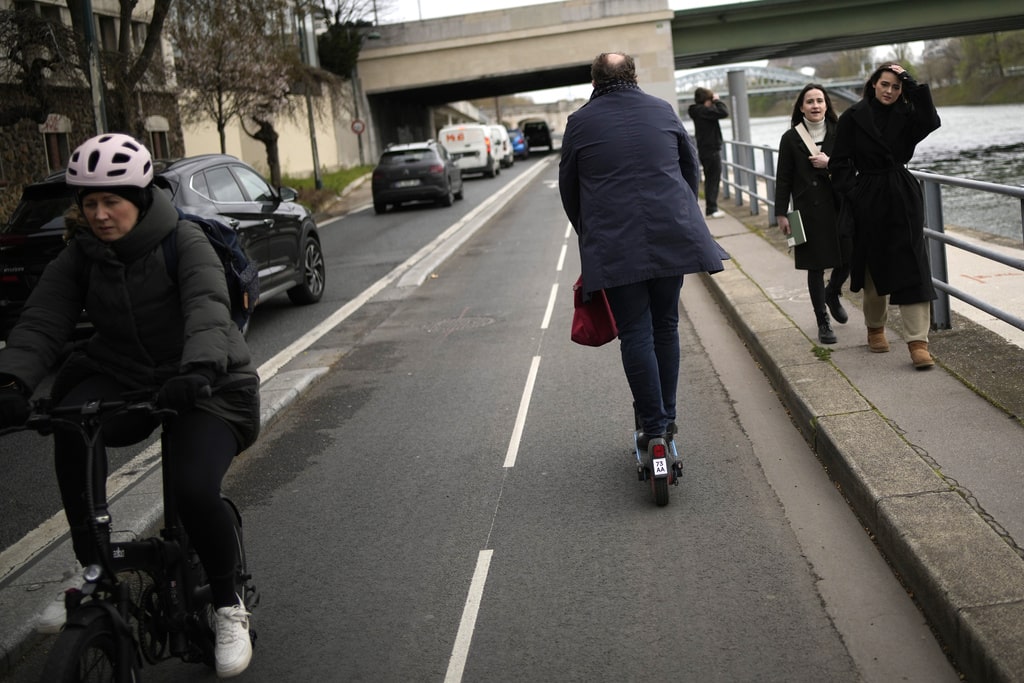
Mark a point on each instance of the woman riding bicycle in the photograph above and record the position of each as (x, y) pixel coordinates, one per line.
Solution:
(152, 329)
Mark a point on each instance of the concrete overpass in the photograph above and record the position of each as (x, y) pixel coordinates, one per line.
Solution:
(414, 67)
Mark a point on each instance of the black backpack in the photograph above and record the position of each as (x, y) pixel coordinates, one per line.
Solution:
(241, 274)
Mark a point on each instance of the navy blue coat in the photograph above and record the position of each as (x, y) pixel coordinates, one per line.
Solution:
(628, 179)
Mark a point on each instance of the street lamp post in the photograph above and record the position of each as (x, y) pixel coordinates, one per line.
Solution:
(308, 53)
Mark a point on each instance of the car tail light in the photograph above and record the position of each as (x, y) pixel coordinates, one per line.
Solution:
(12, 240)
(437, 169)
(488, 141)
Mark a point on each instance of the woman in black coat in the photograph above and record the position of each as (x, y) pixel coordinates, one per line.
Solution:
(802, 174)
(875, 140)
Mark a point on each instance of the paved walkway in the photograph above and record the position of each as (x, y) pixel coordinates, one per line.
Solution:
(929, 460)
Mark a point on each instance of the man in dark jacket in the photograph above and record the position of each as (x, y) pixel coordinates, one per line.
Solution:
(628, 180)
(706, 111)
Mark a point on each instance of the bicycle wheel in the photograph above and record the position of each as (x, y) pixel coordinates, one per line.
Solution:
(87, 652)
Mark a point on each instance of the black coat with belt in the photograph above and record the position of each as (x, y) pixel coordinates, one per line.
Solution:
(884, 200)
(628, 180)
(811, 191)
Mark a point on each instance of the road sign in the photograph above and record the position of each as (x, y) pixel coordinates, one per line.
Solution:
(358, 126)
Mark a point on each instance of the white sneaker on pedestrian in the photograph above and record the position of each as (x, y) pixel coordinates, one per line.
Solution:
(718, 214)
(234, 648)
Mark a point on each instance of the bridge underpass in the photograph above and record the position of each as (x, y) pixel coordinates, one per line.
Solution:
(416, 66)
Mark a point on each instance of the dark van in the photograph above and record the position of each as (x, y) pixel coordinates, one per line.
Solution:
(537, 133)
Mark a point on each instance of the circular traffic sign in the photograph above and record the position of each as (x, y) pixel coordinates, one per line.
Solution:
(358, 126)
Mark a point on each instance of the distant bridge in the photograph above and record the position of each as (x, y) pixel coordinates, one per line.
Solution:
(764, 80)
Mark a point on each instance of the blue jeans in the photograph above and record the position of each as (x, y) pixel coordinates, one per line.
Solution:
(647, 315)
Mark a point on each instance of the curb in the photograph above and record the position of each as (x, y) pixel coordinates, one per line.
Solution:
(965, 578)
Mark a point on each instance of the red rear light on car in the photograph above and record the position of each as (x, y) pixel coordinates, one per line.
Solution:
(12, 240)
(436, 169)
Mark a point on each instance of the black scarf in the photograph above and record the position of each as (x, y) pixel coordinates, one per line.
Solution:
(612, 86)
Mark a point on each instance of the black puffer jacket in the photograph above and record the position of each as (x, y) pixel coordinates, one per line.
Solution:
(148, 326)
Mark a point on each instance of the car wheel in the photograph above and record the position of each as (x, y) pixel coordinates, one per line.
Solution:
(449, 198)
(314, 275)
(378, 207)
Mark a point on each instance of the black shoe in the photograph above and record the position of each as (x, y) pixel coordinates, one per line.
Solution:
(835, 307)
(825, 333)
(643, 440)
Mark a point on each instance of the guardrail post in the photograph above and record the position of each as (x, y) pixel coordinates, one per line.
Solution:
(769, 184)
(737, 80)
(941, 318)
(726, 188)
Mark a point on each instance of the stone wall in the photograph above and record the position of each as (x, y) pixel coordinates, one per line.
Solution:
(22, 152)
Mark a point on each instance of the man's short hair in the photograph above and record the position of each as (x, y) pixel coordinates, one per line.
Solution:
(701, 95)
(601, 71)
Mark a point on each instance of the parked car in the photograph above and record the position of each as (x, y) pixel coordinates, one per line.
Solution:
(277, 234)
(537, 133)
(520, 148)
(415, 172)
(471, 146)
(502, 146)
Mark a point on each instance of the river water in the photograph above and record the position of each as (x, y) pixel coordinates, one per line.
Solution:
(979, 142)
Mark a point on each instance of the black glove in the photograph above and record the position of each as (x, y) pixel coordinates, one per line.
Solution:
(14, 408)
(181, 392)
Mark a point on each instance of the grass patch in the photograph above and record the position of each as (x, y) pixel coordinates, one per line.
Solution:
(333, 183)
(822, 353)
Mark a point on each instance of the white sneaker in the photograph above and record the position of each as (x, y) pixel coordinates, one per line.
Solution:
(52, 618)
(718, 214)
(234, 648)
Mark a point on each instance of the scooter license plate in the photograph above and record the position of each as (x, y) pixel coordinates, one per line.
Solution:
(660, 466)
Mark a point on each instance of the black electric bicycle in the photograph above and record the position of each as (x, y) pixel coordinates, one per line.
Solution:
(146, 600)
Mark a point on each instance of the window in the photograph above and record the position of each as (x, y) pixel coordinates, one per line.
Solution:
(55, 141)
(221, 186)
(50, 13)
(157, 128)
(256, 186)
(107, 32)
(139, 31)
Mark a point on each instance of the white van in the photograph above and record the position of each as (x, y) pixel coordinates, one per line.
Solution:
(503, 146)
(471, 147)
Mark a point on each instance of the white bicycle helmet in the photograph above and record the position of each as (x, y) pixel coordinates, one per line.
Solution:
(110, 160)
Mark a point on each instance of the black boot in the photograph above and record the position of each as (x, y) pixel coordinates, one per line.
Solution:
(835, 306)
(825, 333)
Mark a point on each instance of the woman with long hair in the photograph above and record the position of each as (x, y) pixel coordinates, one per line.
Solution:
(875, 140)
(802, 174)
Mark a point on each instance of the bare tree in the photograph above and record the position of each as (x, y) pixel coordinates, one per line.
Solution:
(36, 54)
(222, 79)
(124, 69)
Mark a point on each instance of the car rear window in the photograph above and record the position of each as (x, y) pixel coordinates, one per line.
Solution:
(40, 205)
(406, 156)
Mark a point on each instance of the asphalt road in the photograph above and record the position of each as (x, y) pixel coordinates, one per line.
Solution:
(358, 251)
(456, 501)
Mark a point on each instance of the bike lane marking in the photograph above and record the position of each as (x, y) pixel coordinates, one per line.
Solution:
(460, 651)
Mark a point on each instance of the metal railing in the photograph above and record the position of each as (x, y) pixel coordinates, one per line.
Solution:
(741, 177)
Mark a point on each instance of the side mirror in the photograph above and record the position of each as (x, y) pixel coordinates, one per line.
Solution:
(288, 194)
